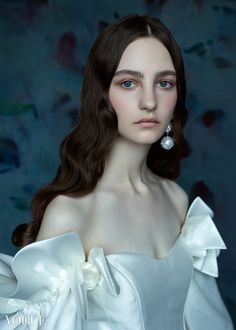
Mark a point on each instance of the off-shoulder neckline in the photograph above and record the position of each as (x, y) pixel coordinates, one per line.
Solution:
(198, 237)
(138, 254)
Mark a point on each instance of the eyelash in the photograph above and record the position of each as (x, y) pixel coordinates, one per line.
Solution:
(170, 84)
(125, 81)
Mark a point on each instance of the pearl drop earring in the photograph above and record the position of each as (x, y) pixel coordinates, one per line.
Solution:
(167, 142)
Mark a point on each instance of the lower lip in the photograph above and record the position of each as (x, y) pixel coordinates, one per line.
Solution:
(148, 123)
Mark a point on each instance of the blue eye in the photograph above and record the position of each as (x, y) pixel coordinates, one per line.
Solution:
(165, 84)
(127, 84)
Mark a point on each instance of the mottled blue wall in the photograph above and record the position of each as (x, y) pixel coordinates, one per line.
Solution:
(43, 50)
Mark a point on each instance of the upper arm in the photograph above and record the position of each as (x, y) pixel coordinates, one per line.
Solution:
(61, 216)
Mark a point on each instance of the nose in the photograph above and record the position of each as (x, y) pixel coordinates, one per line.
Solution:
(148, 99)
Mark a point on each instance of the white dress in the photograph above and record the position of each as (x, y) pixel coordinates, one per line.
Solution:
(48, 285)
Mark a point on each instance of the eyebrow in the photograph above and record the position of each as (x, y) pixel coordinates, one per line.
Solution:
(139, 74)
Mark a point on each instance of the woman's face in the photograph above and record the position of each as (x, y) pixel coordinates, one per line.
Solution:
(144, 87)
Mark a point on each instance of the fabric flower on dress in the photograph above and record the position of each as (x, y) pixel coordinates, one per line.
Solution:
(91, 275)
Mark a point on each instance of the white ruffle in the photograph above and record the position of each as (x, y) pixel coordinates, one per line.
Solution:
(201, 237)
(47, 272)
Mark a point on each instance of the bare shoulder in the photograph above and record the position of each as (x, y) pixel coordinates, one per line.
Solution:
(178, 197)
(62, 215)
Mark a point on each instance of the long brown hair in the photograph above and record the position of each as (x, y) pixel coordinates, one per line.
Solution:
(84, 151)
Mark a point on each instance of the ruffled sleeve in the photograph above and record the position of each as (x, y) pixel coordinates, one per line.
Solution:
(46, 284)
(204, 308)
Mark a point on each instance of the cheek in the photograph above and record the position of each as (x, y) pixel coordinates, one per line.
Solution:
(119, 103)
(168, 104)
(171, 100)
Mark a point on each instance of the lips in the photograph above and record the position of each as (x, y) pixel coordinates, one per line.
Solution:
(147, 123)
(147, 120)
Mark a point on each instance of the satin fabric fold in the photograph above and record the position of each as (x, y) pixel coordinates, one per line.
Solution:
(202, 238)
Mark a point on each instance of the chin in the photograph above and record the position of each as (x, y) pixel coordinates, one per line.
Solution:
(143, 139)
(147, 141)
(152, 138)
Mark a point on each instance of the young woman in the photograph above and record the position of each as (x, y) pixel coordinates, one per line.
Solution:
(113, 244)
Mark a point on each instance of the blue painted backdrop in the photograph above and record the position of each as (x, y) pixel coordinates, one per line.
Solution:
(43, 50)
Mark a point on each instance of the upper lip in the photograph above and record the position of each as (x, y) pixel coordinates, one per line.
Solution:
(146, 119)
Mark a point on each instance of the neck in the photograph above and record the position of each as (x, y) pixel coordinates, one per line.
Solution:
(126, 167)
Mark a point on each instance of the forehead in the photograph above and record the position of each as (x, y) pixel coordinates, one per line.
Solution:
(146, 54)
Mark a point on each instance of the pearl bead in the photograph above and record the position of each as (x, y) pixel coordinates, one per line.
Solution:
(167, 142)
